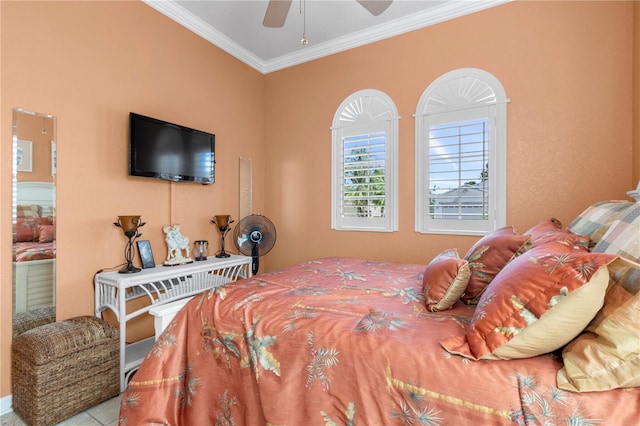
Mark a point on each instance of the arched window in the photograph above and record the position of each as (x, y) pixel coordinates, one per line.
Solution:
(365, 163)
(461, 123)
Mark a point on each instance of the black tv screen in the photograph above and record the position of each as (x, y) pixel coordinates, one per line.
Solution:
(163, 150)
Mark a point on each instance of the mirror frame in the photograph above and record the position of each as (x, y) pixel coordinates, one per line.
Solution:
(21, 271)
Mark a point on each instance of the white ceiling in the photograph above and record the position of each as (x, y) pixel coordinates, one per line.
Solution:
(331, 25)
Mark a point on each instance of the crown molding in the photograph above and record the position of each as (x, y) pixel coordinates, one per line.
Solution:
(432, 16)
(191, 22)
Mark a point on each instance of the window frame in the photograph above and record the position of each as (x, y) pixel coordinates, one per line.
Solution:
(366, 111)
(458, 96)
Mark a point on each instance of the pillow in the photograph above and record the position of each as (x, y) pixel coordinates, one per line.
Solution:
(607, 355)
(28, 211)
(444, 280)
(596, 219)
(26, 230)
(552, 224)
(537, 304)
(47, 211)
(47, 233)
(551, 230)
(488, 256)
(623, 236)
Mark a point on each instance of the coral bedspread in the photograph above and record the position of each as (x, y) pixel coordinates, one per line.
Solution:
(28, 251)
(343, 341)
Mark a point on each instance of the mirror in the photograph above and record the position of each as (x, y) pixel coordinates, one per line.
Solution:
(34, 211)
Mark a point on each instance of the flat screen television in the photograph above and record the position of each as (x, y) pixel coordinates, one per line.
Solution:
(163, 150)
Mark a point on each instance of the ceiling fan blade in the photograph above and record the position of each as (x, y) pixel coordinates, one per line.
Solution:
(375, 7)
(276, 13)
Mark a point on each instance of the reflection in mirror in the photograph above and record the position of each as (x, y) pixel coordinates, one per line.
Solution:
(34, 214)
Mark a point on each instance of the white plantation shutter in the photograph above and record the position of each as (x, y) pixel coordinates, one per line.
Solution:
(461, 154)
(364, 163)
(363, 179)
(458, 155)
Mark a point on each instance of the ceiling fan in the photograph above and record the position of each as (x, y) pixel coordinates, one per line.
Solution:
(277, 10)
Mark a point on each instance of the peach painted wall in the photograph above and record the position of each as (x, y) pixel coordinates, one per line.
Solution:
(569, 120)
(569, 128)
(89, 64)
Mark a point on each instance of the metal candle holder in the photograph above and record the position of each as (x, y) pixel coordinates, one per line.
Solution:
(223, 222)
(129, 225)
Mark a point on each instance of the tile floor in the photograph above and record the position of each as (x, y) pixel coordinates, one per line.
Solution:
(104, 414)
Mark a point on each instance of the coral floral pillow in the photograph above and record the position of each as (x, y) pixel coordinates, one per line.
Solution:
(488, 256)
(551, 230)
(27, 230)
(445, 279)
(47, 233)
(537, 304)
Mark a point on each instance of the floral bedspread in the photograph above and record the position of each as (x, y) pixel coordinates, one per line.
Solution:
(27, 251)
(341, 341)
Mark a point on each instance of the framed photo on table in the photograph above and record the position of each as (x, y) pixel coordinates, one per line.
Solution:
(146, 256)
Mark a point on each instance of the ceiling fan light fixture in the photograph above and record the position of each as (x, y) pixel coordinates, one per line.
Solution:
(375, 7)
(303, 12)
(276, 13)
(277, 10)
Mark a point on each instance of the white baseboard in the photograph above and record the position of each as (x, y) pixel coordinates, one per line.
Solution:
(5, 405)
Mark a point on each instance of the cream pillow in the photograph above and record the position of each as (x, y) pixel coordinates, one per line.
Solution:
(607, 355)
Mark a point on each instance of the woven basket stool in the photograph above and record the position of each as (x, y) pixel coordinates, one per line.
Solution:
(63, 368)
(23, 321)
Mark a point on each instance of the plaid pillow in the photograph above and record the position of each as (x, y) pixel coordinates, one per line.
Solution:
(28, 211)
(623, 236)
(596, 219)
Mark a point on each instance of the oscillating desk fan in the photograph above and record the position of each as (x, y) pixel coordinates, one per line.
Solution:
(254, 236)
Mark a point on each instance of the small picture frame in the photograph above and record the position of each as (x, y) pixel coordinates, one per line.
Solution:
(146, 256)
(24, 156)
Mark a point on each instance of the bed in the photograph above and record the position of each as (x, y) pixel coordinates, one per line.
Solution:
(34, 246)
(532, 328)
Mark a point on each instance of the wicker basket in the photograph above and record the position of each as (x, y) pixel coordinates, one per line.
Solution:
(63, 368)
(24, 321)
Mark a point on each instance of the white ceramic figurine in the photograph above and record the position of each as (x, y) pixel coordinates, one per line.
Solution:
(176, 243)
